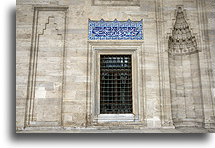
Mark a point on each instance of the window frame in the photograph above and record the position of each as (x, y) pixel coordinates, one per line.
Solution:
(93, 103)
(114, 70)
(116, 117)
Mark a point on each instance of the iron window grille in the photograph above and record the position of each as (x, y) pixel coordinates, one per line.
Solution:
(115, 84)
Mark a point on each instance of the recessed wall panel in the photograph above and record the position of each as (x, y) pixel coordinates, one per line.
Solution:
(47, 67)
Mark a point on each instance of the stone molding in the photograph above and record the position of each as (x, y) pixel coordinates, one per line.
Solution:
(37, 32)
(96, 48)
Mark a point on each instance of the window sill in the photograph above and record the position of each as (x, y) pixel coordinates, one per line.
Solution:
(115, 117)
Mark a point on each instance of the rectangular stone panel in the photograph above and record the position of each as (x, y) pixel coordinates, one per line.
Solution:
(47, 62)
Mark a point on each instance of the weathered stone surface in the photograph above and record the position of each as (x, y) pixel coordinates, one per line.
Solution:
(54, 85)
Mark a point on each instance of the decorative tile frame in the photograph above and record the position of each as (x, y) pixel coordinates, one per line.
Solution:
(116, 2)
(115, 30)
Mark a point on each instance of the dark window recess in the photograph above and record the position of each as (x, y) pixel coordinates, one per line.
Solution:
(115, 84)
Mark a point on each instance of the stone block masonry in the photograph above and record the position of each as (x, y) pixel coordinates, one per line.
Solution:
(58, 68)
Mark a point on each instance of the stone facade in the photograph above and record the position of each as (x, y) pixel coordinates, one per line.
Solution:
(57, 65)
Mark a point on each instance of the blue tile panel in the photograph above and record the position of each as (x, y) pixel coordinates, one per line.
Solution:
(115, 30)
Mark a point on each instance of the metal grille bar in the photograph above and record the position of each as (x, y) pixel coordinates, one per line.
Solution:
(115, 84)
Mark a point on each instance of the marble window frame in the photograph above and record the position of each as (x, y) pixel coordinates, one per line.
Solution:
(95, 49)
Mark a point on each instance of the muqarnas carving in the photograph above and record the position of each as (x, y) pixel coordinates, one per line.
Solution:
(184, 69)
(182, 42)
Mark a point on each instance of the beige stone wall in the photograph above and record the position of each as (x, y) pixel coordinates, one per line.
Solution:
(210, 6)
(61, 97)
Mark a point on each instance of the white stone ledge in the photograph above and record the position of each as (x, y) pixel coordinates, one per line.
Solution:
(115, 117)
(92, 130)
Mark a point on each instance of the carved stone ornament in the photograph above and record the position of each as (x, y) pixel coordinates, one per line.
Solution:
(181, 41)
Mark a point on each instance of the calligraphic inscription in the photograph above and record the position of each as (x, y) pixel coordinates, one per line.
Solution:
(115, 30)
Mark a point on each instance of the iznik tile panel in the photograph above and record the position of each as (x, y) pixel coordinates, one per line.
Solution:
(116, 2)
(115, 30)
